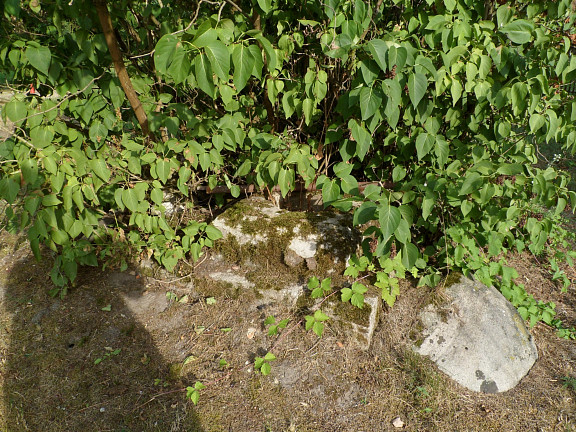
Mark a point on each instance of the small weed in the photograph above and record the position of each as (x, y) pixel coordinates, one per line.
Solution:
(110, 353)
(263, 363)
(569, 382)
(273, 329)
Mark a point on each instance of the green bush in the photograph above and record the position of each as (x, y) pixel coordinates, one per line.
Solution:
(428, 113)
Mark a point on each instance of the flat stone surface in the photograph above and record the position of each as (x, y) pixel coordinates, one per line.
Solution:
(232, 278)
(478, 338)
(141, 304)
(358, 326)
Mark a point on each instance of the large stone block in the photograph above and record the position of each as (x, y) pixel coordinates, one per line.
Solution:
(477, 338)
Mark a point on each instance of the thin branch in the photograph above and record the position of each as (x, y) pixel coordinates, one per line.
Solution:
(65, 98)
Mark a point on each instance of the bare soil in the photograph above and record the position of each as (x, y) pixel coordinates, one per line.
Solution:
(51, 378)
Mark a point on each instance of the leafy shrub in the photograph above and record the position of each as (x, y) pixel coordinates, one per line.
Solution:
(428, 113)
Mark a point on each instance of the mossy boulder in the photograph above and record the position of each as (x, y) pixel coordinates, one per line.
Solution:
(295, 245)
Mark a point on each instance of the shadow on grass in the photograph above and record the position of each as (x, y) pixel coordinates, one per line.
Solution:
(52, 379)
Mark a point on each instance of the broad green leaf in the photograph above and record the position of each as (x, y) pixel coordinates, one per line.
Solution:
(552, 125)
(179, 68)
(163, 170)
(203, 73)
(402, 233)
(519, 31)
(98, 132)
(101, 169)
(130, 199)
(378, 48)
(442, 150)
(219, 58)
(370, 101)
(243, 65)
(16, 110)
(205, 35)
(417, 86)
(389, 217)
(428, 203)
(349, 184)
(424, 144)
(50, 165)
(362, 137)
(308, 110)
(536, 122)
(455, 90)
(518, 93)
(286, 181)
(366, 212)
(409, 255)
(51, 200)
(41, 136)
(510, 169)
(157, 196)
(472, 182)
(330, 191)
(271, 58)
(39, 57)
(466, 207)
(397, 57)
(265, 5)
(165, 49)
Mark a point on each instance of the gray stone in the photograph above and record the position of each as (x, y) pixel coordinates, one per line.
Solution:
(142, 304)
(478, 338)
(357, 324)
(255, 221)
(231, 278)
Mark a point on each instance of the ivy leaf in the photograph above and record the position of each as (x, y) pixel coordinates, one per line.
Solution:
(417, 86)
(219, 59)
(243, 65)
(39, 57)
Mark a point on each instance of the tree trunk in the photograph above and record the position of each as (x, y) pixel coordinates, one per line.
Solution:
(112, 42)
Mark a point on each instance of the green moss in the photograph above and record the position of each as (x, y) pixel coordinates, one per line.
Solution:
(350, 313)
(175, 372)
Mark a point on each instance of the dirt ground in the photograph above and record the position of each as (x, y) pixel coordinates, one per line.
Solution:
(117, 353)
